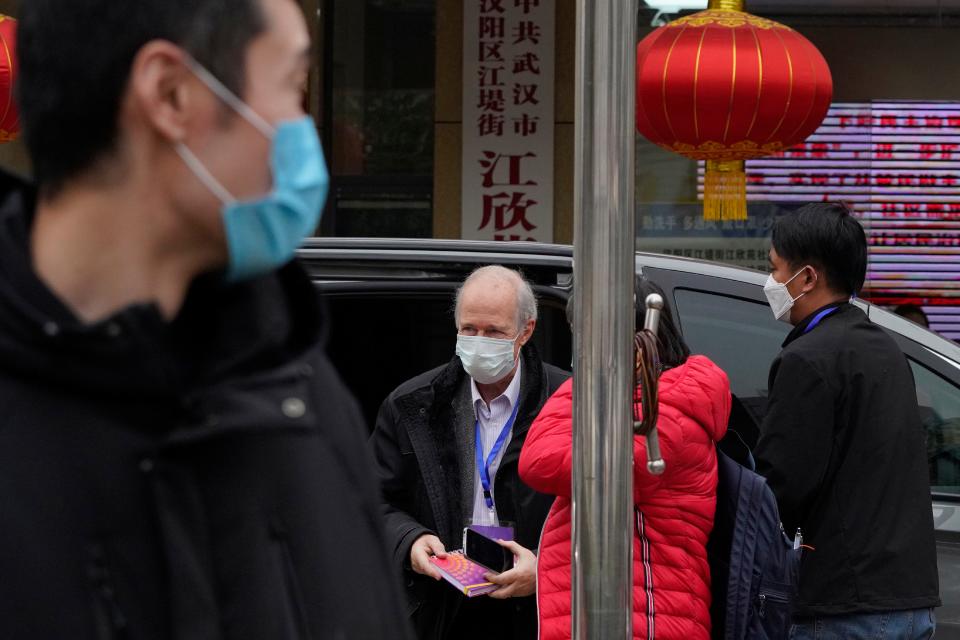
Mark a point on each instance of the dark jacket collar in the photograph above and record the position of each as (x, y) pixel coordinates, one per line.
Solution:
(427, 412)
(802, 328)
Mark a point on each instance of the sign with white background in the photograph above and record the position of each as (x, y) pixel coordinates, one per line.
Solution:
(508, 120)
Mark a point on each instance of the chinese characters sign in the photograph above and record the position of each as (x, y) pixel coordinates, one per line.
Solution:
(508, 120)
(682, 231)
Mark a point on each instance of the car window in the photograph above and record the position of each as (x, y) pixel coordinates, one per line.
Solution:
(379, 340)
(939, 402)
(741, 336)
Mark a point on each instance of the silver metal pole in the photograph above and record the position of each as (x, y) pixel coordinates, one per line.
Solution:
(604, 266)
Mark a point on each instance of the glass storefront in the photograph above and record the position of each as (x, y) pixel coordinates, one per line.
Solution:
(380, 102)
(888, 147)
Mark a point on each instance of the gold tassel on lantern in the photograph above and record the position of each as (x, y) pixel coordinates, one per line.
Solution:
(725, 184)
(725, 191)
(727, 5)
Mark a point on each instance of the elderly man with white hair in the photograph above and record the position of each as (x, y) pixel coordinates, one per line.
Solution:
(447, 444)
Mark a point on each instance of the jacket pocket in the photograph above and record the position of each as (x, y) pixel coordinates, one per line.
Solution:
(772, 613)
(297, 627)
(109, 619)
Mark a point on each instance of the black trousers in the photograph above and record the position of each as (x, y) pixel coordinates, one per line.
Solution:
(483, 618)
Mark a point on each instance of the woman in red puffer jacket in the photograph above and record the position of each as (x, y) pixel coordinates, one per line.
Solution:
(674, 511)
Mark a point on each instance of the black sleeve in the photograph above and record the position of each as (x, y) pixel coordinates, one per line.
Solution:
(344, 424)
(396, 492)
(796, 437)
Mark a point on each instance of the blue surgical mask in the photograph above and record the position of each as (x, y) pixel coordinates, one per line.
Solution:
(263, 234)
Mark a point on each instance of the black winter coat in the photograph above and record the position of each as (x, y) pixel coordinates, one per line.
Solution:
(843, 449)
(203, 479)
(416, 453)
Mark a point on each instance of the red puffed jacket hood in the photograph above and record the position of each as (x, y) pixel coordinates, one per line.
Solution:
(674, 511)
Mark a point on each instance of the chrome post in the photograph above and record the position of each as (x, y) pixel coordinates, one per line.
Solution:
(604, 266)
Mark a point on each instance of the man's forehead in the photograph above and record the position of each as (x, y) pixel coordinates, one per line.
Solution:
(490, 288)
(286, 28)
(488, 298)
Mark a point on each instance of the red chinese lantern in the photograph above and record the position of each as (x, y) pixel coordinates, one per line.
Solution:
(724, 86)
(9, 118)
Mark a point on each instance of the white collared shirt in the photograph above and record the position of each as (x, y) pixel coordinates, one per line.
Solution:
(492, 420)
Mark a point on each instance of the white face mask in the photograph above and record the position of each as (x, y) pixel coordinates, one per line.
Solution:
(486, 360)
(779, 297)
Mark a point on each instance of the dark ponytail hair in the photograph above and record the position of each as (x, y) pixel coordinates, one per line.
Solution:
(673, 349)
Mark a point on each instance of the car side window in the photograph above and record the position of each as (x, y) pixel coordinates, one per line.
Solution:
(939, 402)
(741, 336)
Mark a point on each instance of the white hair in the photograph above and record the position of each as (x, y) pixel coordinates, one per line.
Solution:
(526, 299)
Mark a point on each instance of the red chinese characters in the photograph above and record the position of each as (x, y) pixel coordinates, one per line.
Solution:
(505, 168)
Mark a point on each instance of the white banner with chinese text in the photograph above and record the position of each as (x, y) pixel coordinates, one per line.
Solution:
(508, 119)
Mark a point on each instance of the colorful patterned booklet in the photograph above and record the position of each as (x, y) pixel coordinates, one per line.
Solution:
(465, 574)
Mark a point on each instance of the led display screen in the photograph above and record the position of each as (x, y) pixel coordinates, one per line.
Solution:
(898, 164)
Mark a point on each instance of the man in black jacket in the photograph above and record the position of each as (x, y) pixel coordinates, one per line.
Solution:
(841, 443)
(447, 444)
(178, 458)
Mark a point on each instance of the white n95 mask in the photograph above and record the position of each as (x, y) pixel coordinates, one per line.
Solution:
(486, 360)
(779, 298)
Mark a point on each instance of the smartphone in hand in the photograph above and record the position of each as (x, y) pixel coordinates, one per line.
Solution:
(486, 551)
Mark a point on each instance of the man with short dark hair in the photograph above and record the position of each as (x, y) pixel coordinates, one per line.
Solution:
(178, 458)
(841, 444)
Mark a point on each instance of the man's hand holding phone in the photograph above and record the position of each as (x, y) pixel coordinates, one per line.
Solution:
(519, 581)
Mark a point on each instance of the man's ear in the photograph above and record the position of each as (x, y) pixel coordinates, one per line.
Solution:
(162, 91)
(528, 332)
(810, 278)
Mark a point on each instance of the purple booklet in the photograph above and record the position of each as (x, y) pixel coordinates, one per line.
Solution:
(464, 574)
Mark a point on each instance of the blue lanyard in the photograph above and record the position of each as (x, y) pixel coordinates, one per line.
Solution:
(817, 318)
(484, 469)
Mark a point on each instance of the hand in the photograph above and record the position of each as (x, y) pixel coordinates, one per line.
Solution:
(519, 581)
(425, 546)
